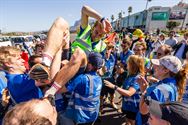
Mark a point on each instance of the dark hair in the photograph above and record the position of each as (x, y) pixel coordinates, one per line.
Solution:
(181, 81)
(167, 49)
(32, 58)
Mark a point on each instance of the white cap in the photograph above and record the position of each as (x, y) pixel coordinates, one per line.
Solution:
(170, 62)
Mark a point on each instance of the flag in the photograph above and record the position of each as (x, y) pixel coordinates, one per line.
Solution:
(110, 38)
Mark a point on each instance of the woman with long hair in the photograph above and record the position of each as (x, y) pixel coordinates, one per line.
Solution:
(171, 85)
(130, 90)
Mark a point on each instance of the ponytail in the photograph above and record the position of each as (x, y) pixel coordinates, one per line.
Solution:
(181, 81)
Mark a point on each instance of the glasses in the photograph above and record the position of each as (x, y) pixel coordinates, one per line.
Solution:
(125, 44)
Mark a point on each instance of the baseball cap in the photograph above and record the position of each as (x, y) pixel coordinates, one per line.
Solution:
(170, 62)
(174, 112)
(96, 59)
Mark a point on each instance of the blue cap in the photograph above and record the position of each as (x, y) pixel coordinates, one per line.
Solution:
(96, 59)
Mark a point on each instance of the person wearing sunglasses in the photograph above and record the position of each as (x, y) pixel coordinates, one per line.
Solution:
(126, 52)
(140, 50)
(88, 39)
(33, 112)
(158, 43)
(163, 50)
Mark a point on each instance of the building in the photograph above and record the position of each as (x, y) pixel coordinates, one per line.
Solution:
(155, 17)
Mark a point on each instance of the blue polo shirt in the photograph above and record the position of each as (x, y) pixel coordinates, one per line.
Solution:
(22, 88)
(124, 56)
(109, 64)
(164, 90)
(131, 103)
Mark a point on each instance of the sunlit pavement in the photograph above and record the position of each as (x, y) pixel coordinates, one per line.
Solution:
(111, 116)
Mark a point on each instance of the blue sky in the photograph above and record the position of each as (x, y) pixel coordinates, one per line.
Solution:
(34, 15)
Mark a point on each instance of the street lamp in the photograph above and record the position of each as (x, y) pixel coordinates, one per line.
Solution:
(129, 11)
(185, 17)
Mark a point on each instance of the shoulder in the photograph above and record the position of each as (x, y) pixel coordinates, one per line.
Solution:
(21, 78)
(82, 30)
(79, 77)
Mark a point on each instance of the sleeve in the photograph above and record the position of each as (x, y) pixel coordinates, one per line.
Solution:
(74, 83)
(135, 85)
(25, 82)
(157, 95)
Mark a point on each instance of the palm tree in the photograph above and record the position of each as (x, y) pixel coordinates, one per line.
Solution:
(129, 11)
(112, 18)
(120, 15)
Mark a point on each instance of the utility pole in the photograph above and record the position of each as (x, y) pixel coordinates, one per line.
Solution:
(184, 18)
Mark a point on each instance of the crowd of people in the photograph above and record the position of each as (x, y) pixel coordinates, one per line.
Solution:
(68, 83)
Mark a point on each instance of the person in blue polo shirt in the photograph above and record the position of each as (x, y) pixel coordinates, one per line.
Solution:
(20, 86)
(131, 89)
(83, 106)
(108, 75)
(126, 52)
(172, 80)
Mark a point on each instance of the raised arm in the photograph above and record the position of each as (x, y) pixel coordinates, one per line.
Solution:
(89, 12)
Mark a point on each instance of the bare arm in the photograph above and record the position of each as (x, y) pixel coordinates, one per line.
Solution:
(56, 64)
(143, 86)
(86, 13)
(78, 59)
(143, 106)
(131, 91)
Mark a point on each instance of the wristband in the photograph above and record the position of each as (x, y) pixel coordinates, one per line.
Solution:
(102, 19)
(53, 89)
(56, 85)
